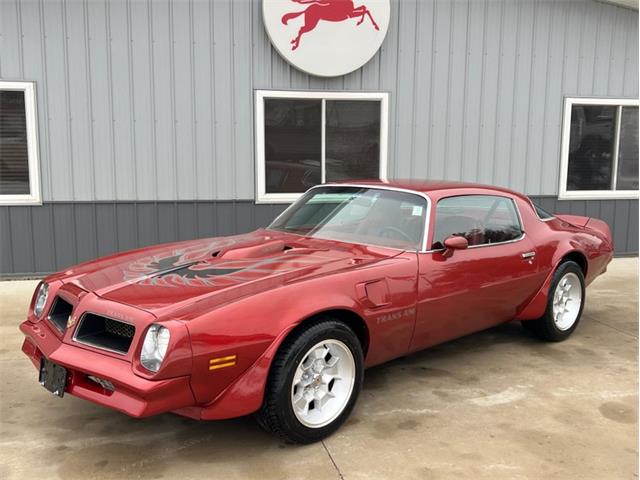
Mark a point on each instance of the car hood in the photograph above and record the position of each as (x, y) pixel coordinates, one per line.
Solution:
(164, 278)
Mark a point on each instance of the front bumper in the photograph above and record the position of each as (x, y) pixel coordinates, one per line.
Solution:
(132, 395)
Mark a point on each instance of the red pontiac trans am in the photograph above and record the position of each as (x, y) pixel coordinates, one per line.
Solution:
(282, 322)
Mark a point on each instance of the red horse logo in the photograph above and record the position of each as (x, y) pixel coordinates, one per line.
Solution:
(329, 10)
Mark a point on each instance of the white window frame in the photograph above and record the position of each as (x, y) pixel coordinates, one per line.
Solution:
(261, 193)
(34, 197)
(565, 194)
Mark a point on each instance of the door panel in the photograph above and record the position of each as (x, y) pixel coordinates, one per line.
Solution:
(474, 289)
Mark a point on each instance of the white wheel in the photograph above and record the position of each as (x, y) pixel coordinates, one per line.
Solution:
(323, 383)
(567, 300)
(564, 305)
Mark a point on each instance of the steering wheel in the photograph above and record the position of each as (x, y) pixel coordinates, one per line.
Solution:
(397, 231)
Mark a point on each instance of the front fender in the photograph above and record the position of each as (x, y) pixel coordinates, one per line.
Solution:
(267, 319)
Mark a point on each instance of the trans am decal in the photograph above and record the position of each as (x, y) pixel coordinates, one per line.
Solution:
(198, 267)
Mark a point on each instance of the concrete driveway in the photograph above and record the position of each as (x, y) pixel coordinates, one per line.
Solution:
(497, 404)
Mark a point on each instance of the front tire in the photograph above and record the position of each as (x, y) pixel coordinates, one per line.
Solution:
(314, 382)
(564, 306)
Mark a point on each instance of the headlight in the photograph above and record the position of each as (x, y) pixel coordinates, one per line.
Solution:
(41, 299)
(154, 347)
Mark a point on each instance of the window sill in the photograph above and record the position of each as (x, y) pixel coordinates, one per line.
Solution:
(7, 200)
(599, 195)
(278, 197)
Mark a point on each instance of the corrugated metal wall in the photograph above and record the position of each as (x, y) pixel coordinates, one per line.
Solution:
(57, 235)
(152, 100)
(145, 110)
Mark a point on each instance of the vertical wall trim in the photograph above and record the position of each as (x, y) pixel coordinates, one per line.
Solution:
(112, 120)
(132, 101)
(67, 91)
(498, 96)
(194, 116)
(20, 38)
(483, 72)
(45, 95)
(514, 94)
(87, 58)
(172, 94)
(430, 125)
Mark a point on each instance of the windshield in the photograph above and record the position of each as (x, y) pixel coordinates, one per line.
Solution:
(365, 215)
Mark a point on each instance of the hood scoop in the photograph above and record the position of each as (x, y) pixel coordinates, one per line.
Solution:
(254, 251)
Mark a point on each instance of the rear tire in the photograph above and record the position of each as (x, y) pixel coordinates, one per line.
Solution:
(313, 383)
(564, 306)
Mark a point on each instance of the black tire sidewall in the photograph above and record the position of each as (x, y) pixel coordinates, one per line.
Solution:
(289, 423)
(550, 324)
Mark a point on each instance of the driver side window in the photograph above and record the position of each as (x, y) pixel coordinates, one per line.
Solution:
(481, 219)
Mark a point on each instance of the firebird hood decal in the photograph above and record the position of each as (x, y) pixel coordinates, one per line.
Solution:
(168, 277)
(171, 266)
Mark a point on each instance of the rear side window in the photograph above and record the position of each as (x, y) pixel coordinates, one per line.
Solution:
(481, 219)
(542, 214)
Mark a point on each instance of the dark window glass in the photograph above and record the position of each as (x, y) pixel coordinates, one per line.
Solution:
(542, 213)
(293, 136)
(14, 158)
(628, 150)
(591, 147)
(481, 219)
(352, 140)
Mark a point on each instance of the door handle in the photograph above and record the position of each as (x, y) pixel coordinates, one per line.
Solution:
(528, 255)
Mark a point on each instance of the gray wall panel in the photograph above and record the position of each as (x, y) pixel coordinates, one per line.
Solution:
(64, 234)
(145, 109)
(56, 235)
(107, 233)
(147, 220)
(85, 231)
(154, 100)
(6, 247)
(632, 230)
(21, 238)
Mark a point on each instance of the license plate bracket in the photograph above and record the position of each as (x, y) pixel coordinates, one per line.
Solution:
(53, 377)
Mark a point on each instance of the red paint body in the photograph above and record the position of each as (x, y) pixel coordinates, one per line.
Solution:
(406, 301)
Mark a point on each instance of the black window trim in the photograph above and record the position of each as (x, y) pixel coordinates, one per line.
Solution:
(487, 194)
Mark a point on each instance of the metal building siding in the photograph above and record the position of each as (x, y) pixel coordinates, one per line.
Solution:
(153, 100)
(51, 237)
(145, 110)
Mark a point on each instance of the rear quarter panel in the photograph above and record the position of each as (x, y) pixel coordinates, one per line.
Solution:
(554, 240)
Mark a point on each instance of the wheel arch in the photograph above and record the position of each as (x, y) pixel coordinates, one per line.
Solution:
(246, 394)
(577, 257)
(536, 307)
(348, 317)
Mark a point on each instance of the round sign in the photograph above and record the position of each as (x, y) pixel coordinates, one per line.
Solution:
(326, 38)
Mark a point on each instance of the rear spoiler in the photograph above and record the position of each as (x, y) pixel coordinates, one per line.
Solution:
(591, 223)
(575, 220)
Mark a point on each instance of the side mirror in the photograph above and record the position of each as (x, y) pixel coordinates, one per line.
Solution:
(454, 243)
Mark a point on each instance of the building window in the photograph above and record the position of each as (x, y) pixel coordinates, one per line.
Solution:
(19, 167)
(308, 138)
(599, 149)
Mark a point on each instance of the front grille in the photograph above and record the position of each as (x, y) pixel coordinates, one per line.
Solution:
(119, 328)
(105, 333)
(60, 313)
